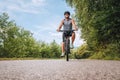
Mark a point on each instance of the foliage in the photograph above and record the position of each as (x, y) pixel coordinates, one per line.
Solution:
(82, 52)
(19, 43)
(99, 21)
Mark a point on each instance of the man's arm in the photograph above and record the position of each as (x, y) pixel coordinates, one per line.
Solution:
(74, 25)
(60, 26)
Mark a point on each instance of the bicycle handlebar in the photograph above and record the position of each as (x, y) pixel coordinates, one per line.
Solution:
(65, 30)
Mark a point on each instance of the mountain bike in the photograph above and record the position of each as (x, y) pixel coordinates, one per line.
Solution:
(67, 35)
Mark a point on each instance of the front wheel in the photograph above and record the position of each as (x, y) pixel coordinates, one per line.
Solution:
(67, 49)
(67, 57)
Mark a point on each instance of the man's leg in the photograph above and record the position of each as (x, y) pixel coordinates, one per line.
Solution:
(62, 46)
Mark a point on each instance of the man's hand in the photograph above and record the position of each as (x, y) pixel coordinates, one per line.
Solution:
(58, 30)
(76, 29)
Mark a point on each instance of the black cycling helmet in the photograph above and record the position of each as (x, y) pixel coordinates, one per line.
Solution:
(67, 12)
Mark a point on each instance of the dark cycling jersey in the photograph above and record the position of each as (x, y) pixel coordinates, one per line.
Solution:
(67, 25)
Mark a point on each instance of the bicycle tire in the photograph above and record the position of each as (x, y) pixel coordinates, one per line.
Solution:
(67, 49)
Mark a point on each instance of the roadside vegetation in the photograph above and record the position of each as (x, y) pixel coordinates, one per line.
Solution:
(99, 21)
(16, 42)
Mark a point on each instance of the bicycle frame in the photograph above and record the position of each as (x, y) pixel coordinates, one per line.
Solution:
(67, 45)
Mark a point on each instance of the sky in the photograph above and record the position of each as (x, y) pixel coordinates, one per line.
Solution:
(41, 17)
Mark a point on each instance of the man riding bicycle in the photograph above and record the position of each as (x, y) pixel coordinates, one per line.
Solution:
(68, 25)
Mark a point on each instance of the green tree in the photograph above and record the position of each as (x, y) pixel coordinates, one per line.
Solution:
(99, 21)
(18, 42)
(55, 49)
(15, 41)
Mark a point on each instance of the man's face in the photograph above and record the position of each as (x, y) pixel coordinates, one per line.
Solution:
(67, 15)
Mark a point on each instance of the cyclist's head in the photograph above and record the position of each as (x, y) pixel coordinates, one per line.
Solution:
(67, 14)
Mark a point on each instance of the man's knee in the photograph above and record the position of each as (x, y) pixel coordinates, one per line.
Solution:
(73, 34)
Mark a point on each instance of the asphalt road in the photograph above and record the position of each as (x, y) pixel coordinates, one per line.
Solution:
(59, 70)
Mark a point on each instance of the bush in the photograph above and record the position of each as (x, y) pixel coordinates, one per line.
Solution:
(82, 52)
(110, 53)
